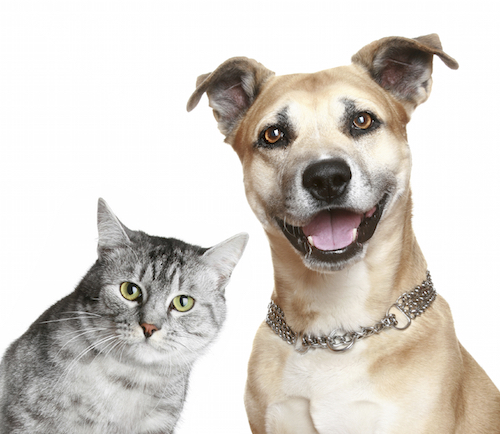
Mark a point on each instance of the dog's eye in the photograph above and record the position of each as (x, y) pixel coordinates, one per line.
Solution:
(273, 135)
(363, 121)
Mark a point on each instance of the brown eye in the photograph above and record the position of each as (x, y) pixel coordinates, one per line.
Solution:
(272, 135)
(363, 121)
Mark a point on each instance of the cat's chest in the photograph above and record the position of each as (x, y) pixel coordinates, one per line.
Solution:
(130, 399)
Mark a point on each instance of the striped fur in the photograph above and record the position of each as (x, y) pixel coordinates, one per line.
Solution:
(86, 365)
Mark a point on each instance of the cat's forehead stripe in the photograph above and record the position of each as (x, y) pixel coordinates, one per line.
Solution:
(175, 281)
(156, 269)
(172, 271)
(143, 270)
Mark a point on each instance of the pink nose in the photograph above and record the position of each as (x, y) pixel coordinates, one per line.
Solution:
(148, 329)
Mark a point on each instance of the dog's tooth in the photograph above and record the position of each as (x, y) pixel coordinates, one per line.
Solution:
(354, 234)
(311, 241)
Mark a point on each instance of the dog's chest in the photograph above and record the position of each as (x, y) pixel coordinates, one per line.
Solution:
(341, 393)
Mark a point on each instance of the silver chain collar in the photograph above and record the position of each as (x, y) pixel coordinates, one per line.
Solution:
(411, 305)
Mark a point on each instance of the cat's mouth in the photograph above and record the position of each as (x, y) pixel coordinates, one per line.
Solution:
(334, 236)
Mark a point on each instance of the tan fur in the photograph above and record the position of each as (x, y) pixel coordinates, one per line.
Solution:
(419, 380)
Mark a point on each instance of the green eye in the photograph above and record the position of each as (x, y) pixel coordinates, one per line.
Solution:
(183, 303)
(130, 291)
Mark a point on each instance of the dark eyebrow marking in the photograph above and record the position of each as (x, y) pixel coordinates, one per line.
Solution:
(283, 118)
(284, 124)
(351, 110)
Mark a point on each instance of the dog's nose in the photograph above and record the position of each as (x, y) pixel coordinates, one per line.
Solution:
(327, 180)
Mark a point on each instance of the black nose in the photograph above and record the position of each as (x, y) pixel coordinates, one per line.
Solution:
(327, 180)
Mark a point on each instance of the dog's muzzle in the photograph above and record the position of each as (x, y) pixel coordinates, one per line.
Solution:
(335, 234)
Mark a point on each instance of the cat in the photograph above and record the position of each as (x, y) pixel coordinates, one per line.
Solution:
(115, 355)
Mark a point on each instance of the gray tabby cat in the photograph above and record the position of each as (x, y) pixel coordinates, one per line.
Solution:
(115, 355)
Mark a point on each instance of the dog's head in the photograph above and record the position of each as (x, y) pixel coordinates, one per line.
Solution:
(324, 155)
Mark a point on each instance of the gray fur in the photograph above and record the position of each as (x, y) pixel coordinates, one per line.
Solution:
(86, 366)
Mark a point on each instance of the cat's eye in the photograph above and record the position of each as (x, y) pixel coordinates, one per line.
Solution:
(130, 291)
(183, 303)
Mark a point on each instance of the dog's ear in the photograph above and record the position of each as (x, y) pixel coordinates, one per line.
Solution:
(404, 66)
(231, 90)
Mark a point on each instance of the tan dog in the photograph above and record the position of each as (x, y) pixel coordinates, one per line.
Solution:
(327, 167)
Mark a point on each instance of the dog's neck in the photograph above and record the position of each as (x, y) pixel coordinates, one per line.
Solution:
(357, 295)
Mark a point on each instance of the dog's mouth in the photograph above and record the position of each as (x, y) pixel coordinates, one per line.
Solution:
(334, 235)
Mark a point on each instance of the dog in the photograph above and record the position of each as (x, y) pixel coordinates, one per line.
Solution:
(356, 339)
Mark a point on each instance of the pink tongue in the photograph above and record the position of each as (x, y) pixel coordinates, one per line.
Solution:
(332, 230)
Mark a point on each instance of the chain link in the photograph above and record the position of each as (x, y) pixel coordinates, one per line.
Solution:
(276, 320)
(410, 305)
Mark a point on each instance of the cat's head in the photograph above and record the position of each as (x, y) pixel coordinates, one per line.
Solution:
(159, 299)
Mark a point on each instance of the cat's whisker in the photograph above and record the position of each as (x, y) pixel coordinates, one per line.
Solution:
(85, 330)
(63, 319)
(184, 346)
(79, 334)
(83, 312)
(112, 346)
(124, 346)
(86, 351)
(185, 359)
(80, 317)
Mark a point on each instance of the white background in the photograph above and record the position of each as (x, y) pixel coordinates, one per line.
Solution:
(92, 104)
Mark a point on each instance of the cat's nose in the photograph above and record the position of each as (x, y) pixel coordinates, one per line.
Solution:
(148, 329)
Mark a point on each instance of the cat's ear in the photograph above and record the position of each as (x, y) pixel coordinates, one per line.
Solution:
(112, 232)
(224, 256)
